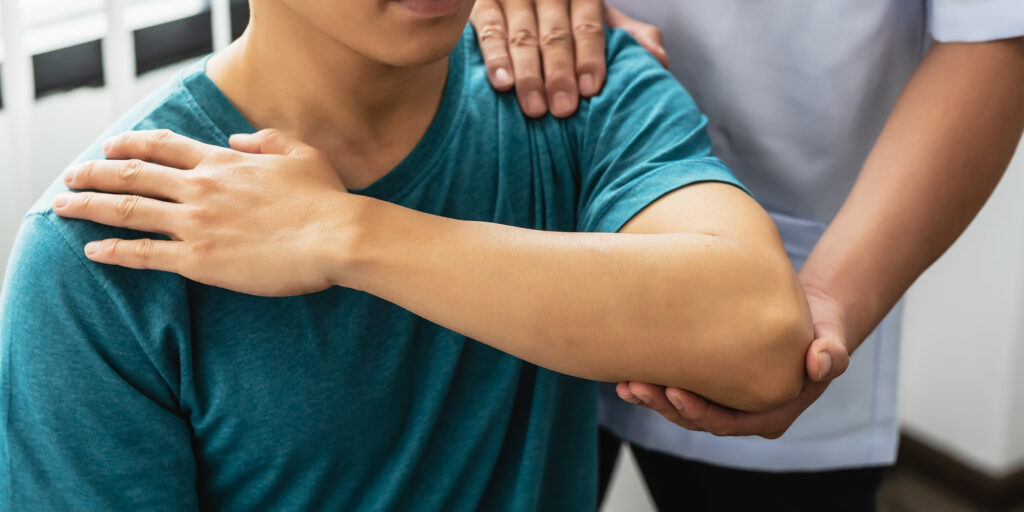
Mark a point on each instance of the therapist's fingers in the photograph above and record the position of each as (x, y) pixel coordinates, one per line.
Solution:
(524, 49)
(588, 34)
(158, 146)
(489, 21)
(648, 36)
(126, 176)
(144, 254)
(722, 421)
(653, 397)
(557, 55)
(125, 211)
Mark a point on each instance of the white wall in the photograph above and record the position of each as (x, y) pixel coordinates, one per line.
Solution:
(62, 126)
(963, 346)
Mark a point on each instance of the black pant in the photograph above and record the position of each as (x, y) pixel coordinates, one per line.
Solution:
(677, 484)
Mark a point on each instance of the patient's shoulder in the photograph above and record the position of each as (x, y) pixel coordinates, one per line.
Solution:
(172, 107)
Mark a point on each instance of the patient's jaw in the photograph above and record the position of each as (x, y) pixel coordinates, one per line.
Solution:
(399, 33)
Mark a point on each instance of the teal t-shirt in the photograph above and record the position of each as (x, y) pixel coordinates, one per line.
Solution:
(141, 390)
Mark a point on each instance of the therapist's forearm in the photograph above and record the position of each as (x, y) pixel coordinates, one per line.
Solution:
(681, 309)
(943, 150)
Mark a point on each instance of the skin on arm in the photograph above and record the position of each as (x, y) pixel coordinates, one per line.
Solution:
(696, 292)
(944, 148)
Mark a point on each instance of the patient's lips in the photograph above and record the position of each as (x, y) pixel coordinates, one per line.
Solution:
(431, 8)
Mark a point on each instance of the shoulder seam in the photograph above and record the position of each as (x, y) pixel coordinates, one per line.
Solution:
(79, 257)
(85, 263)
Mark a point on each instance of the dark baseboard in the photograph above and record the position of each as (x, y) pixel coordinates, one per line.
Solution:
(980, 488)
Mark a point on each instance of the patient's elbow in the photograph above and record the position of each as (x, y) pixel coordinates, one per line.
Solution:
(776, 366)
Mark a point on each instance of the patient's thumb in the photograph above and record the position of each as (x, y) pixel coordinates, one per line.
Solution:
(266, 142)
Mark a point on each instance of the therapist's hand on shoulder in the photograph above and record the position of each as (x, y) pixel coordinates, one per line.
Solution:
(827, 358)
(552, 51)
(195, 193)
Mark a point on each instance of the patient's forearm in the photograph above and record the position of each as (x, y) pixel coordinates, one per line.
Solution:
(696, 311)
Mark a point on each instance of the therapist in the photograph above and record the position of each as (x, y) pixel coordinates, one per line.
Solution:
(872, 146)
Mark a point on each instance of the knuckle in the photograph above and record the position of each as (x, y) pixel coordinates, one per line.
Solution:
(196, 215)
(126, 206)
(556, 37)
(144, 249)
(493, 32)
(523, 38)
(588, 28)
(199, 250)
(85, 200)
(130, 170)
(202, 183)
(158, 140)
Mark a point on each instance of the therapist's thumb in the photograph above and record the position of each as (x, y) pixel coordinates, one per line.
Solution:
(826, 359)
(265, 142)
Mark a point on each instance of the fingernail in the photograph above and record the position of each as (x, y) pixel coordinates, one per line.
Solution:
(535, 104)
(92, 248)
(824, 365)
(561, 105)
(502, 77)
(108, 145)
(643, 398)
(587, 85)
(676, 402)
(61, 200)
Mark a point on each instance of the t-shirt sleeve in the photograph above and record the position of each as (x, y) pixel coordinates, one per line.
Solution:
(639, 139)
(975, 20)
(88, 419)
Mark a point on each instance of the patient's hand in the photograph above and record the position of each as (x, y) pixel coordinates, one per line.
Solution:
(827, 358)
(520, 38)
(253, 223)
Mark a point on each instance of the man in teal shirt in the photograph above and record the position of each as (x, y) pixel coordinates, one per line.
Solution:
(143, 390)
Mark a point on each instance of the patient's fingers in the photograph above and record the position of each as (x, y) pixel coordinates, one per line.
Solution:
(141, 254)
(126, 211)
(126, 176)
(159, 146)
(489, 21)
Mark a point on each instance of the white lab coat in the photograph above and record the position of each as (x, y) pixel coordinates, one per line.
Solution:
(796, 92)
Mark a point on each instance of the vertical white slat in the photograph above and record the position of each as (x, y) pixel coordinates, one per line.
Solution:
(19, 100)
(119, 57)
(220, 19)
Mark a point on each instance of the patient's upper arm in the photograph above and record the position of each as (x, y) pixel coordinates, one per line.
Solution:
(89, 418)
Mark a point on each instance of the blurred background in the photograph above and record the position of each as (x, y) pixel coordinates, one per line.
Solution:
(69, 68)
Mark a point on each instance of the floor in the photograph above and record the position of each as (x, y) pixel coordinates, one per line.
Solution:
(904, 490)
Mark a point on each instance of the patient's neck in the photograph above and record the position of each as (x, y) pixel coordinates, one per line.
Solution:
(367, 116)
